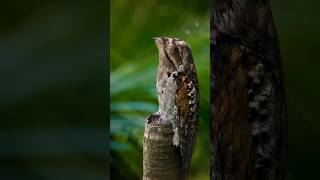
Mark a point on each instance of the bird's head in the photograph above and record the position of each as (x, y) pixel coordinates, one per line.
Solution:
(174, 53)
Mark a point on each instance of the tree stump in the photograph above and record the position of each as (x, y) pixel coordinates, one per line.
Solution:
(161, 160)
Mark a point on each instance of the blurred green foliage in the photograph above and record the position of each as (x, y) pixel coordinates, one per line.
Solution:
(134, 61)
(298, 28)
(52, 95)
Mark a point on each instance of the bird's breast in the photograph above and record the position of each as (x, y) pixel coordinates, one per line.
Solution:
(166, 88)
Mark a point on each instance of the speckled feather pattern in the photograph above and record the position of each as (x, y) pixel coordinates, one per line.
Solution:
(178, 95)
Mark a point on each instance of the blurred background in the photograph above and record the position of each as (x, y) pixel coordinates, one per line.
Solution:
(299, 34)
(133, 67)
(53, 90)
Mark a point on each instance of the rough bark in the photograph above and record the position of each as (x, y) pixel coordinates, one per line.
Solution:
(161, 160)
(249, 126)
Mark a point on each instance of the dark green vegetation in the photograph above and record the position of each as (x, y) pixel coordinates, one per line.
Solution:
(134, 61)
(53, 90)
(298, 29)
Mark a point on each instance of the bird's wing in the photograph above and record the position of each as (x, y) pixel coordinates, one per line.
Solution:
(186, 102)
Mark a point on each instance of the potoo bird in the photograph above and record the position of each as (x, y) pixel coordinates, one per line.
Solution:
(178, 95)
(249, 126)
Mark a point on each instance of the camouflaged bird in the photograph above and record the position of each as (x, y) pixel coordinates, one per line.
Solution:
(178, 95)
(249, 126)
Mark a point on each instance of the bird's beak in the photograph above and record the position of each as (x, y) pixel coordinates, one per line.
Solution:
(158, 41)
(160, 45)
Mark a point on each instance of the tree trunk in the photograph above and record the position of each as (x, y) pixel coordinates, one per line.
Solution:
(249, 126)
(161, 159)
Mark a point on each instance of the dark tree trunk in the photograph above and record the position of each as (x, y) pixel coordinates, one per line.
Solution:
(249, 126)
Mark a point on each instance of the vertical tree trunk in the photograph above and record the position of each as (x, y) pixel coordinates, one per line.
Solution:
(249, 127)
(161, 160)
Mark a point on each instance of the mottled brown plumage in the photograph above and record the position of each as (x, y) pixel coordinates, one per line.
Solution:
(178, 95)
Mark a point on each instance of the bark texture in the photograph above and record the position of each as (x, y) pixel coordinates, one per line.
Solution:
(249, 126)
(161, 160)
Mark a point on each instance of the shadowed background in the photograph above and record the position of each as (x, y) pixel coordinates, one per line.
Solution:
(53, 90)
(298, 28)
